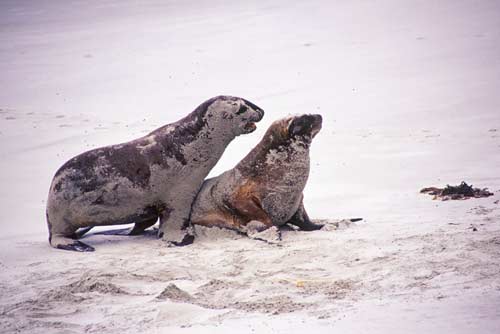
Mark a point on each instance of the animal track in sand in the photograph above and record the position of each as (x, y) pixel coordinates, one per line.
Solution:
(481, 210)
(273, 305)
(61, 301)
(333, 225)
(276, 304)
(226, 294)
(216, 285)
(331, 288)
(91, 283)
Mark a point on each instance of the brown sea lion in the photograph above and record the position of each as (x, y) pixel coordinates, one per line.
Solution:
(264, 191)
(156, 176)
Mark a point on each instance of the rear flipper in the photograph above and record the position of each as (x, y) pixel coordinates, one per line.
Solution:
(62, 242)
(302, 221)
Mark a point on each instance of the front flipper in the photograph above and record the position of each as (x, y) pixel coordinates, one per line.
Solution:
(260, 226)
(176, 228)
(259, 231)
(250, 209)
(302, 221)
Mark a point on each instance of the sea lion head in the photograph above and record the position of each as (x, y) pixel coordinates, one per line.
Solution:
(234, 114)
(282, 139)
(305, 126)
(300, 128)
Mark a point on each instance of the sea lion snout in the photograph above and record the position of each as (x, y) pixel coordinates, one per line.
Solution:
(250, 114)
(259, 114)
(317, 124)
(256, 108)
(305, 125)
(234, 114)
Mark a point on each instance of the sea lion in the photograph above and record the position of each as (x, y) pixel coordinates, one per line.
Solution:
(264, 191)
(155, 176)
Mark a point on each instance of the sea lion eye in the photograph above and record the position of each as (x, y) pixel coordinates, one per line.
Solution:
(243, 108)
(300, 126)
(295, 127)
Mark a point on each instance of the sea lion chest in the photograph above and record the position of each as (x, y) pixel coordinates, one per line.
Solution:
(285, 176)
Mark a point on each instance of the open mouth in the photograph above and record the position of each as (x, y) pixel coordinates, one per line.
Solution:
(250, 127)
(315, 130)
(317, 125)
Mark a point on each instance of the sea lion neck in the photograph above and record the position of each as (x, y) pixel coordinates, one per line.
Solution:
(188, 126)
(274, 141)
(195, 133)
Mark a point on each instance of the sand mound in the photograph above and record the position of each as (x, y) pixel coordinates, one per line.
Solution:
(88, 283)
(173, 293)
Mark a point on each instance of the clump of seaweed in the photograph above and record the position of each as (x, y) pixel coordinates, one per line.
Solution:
(460, 192)
(462, 189)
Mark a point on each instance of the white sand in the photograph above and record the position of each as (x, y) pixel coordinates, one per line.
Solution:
(409, 95)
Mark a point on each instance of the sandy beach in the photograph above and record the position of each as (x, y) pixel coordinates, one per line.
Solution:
(409, 96)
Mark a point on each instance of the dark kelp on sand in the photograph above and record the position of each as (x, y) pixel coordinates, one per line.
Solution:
(460, 192)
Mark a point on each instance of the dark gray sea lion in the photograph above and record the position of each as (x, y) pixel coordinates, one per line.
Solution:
(264, 191)
(156, 176)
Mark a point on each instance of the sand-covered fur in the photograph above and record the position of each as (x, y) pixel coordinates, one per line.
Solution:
(156, 176)
(264, 190)
(409, 95)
